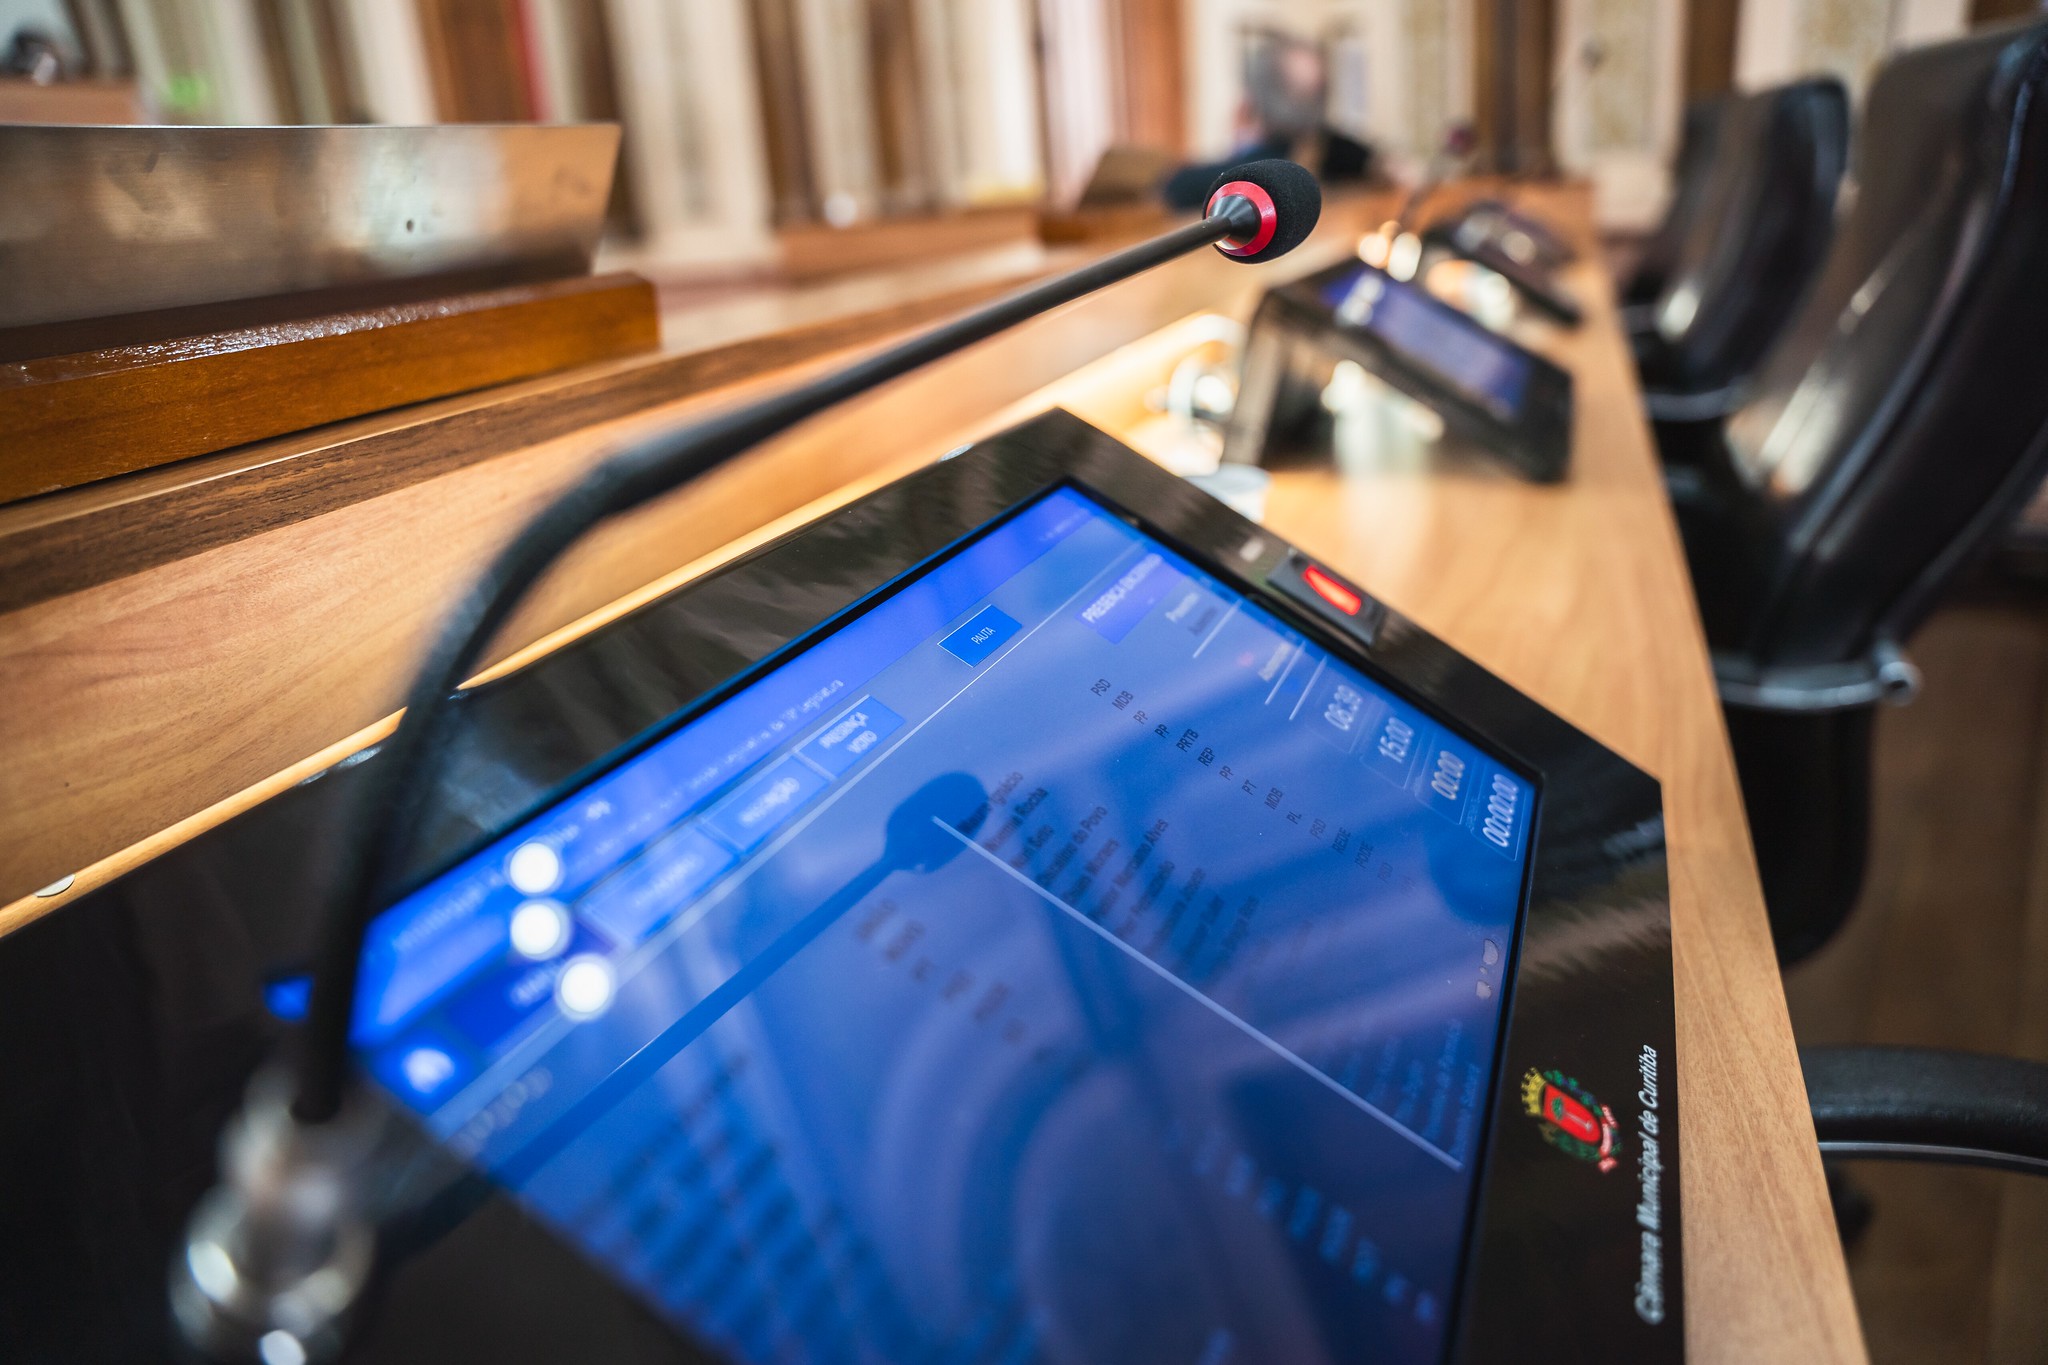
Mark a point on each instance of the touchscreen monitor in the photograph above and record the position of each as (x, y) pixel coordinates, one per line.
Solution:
(1060, 957)
(1463, 354)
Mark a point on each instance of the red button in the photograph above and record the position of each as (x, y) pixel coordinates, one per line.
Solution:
(1331, 591)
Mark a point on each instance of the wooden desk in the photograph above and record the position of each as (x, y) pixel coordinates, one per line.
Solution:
(1576, 594)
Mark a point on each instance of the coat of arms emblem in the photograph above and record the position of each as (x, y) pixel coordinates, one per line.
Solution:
(1570, 1119)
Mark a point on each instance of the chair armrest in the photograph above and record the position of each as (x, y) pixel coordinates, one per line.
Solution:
(1924, 1104)
(1884, 674)
(1707, 405)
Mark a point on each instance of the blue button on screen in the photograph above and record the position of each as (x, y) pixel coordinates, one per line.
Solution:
(425, 1066)
(747, 817)
(853, 735)
(1128, 600)
(988, 632)
(665, 879)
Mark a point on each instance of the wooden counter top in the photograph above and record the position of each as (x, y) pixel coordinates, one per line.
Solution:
(1578, 595)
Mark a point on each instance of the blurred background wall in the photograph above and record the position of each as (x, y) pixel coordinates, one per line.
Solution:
(745, 117)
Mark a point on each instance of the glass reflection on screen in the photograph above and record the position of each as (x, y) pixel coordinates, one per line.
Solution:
(1458, 350)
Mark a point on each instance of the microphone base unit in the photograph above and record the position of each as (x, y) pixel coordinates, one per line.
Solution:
(277, 1256)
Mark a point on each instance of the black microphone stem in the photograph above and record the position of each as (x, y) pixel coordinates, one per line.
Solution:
(378, 842)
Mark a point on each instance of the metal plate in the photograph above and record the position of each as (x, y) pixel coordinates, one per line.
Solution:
(102, 221)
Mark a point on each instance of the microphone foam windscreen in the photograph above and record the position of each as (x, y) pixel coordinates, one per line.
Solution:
(1297, 203)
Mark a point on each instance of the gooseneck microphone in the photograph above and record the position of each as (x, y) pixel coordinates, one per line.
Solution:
(277, 1255)
(1286, 199)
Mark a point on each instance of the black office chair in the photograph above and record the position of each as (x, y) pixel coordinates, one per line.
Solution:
(1754, 233)
(1899, 423)
(1922, 1104)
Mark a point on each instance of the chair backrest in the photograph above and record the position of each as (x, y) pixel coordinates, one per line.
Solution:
(1900, 420)
(1754, 236)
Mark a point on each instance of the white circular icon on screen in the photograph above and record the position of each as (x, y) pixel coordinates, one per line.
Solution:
(585, 987)
(540, 929)
(534, 868)
(279, 1347)
(427, 1069)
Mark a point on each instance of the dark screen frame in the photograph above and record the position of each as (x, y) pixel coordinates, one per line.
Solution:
(1535, 441)
(1535, 281)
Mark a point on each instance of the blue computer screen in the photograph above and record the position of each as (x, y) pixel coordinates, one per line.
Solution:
(1460, 351)
(1062, 959)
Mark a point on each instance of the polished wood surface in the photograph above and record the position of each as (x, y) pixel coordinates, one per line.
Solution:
(76, 418)
(275, 622)
(1110, 391)
(1574, 593)
(83, 537)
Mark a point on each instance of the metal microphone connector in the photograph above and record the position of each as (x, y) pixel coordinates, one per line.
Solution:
(277, 1255)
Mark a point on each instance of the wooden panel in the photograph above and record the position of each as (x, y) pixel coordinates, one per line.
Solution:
(1514, 42)
(1153, 52)
(71, 419)
(147, 698)
(477, 52)
(814, 251)
(1984, 12)
(25, 101)
(1118, 223)
(778, 76)
(896, 88)
(71, 541)
(1710, 47)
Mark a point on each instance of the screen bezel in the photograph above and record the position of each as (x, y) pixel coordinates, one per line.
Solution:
(1227, 570)
(1535, 281)
(1536, 440)
(891, 538)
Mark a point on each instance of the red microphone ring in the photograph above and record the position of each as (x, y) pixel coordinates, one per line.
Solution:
(1269, 218)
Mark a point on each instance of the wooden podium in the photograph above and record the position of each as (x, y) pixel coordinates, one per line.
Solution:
(180, 291)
